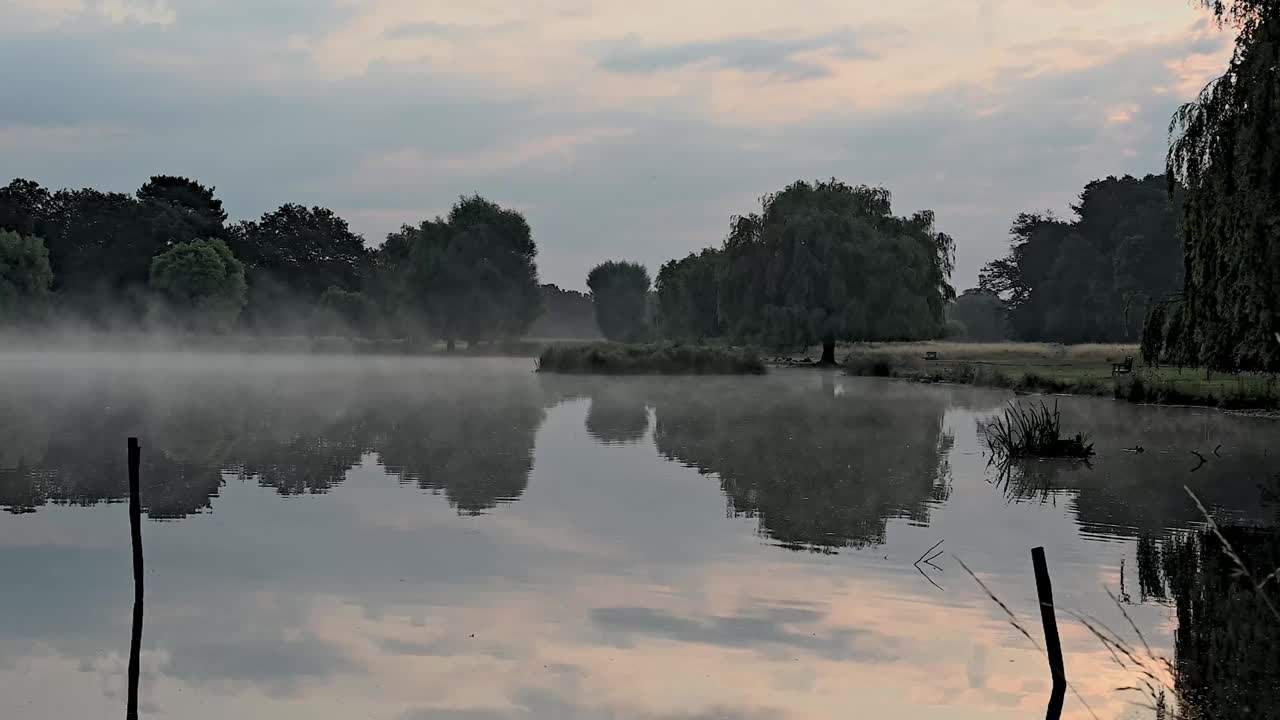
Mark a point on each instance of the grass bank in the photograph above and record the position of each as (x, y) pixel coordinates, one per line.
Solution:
(605, 358)
(1072, 370)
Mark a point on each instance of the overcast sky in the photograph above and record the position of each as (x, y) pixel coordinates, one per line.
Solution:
(621, 129)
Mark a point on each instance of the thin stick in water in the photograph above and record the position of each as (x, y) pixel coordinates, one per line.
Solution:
(1052, 643)
(135, 528)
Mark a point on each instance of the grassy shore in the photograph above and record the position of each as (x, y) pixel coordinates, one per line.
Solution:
(606, 358)
(1075, 370)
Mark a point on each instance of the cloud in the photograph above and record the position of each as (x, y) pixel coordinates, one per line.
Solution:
(552, 152)
(762, 632)
(1122, 114)
(426, 27)
(269, 661)
(791, 59)
(62, 138)
(143, 12)
(389, 110)
(529, 703)
(45, 14)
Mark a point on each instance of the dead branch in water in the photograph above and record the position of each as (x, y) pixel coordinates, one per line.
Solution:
(1202, 461)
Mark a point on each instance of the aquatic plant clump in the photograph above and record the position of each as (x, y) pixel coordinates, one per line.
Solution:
(649, 359)
(1033, 431)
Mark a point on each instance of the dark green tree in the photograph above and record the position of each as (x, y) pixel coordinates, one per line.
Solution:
(620, 295)
(291, 256)
(688, 296)
(191, 203)
(25, 277)
(1225, 149)
(24, 207)
(101, 244)
(200, 285)
(470, 276)
(100, 247)
(828, 261)
(1091, 278)
(981, 314)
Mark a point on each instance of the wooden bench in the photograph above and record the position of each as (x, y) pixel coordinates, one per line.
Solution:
(1123, 368)
(931, 355)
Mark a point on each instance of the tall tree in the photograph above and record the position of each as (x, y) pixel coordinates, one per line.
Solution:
(688, 296)
(828, 261)
(1091, 278)
(200, 285)
(25, 277)
(1225, 149)
(472, 276)
(620, 295)
(291, 256)
(100, 246)
(192, 203)
(24, 207)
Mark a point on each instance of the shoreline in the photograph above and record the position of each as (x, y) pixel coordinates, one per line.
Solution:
(1254, 396)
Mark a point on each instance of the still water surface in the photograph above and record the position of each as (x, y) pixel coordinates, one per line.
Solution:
(404, 539)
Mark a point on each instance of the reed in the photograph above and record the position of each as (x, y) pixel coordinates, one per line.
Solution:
(1033, 431)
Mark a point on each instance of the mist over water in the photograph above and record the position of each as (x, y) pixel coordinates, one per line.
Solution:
(401, 537)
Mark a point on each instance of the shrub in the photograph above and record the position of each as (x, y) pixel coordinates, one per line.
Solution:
(649, 359)
(870, 364)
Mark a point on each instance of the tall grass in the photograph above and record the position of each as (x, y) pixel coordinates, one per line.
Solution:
(1033, 431)
(652, 359)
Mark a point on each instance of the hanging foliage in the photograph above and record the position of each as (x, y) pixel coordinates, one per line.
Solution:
(1225, 150)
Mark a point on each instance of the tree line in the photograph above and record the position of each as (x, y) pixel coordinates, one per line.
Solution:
(166, 257)
(819, 262)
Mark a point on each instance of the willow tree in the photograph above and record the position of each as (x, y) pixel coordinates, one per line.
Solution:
(199, 285)
(827, 261)
(620, 295)
(1225, 149)
(25, 277)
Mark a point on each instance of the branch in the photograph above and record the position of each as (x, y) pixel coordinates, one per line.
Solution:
(1202, 461)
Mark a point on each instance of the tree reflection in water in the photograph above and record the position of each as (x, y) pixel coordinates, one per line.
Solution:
(298, 431)
(821, 465)
(1227, 642)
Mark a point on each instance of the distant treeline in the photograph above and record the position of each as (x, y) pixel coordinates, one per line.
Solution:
(165, 258)
(819, 262)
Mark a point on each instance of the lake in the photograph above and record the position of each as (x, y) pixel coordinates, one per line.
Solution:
(413, 538)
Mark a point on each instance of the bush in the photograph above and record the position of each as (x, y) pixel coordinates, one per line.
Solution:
(649, 359)
(870, 364)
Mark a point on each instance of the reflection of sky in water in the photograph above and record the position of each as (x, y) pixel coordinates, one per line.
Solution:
(618, 585)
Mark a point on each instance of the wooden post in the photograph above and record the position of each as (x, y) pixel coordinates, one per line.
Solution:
(135, 528)
(1052, 643)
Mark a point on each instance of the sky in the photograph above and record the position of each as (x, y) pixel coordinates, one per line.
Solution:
(622, 130)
